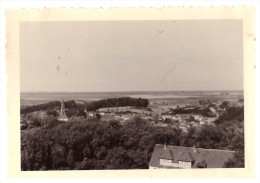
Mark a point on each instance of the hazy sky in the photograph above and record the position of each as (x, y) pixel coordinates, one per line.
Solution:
(131, 55)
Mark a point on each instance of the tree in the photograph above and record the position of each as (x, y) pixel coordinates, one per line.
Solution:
(52, 112)
(82, 113)
(49, 121)
(231, 113)
(98, 116)
(168, 120)
(224, 105)
(71, 112)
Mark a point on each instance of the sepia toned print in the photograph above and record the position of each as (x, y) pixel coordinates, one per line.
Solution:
(158, 95)
(131, 95)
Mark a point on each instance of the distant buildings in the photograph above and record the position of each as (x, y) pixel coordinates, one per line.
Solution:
(169, 157)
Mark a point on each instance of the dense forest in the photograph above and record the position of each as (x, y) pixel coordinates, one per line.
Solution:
(95, 144)
(89, 106)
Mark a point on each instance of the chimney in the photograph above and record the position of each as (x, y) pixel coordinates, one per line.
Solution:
(194, 149)
(165, 147)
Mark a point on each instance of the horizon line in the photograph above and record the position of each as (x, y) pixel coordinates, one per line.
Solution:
(124, 91)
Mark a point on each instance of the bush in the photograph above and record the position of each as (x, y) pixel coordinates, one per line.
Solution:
(52, 112)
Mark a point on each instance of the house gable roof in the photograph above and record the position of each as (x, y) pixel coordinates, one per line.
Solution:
(214, 158)
(166, 154)
(184, 156)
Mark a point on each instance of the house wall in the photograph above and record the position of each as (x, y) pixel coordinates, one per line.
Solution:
(169, 163)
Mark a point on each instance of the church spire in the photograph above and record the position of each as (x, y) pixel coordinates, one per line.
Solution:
(63, 117)
(62, 108)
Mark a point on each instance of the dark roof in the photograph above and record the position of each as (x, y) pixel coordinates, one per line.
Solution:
(166, 154)
(184, 156)
(214, 158)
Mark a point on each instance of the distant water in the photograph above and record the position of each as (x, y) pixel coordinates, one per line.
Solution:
(29, 98)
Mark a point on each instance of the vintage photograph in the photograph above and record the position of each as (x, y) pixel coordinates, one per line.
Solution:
(131, 94)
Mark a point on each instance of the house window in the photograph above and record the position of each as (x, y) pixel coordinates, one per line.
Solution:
(168, 163)
(184, 164)
(165, 162)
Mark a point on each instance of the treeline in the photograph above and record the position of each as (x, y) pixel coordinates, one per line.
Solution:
(45, 106)
(197, 110)
(117, 102)
(231, 113)
(89, 106)
(70, 104)
(92, 144)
